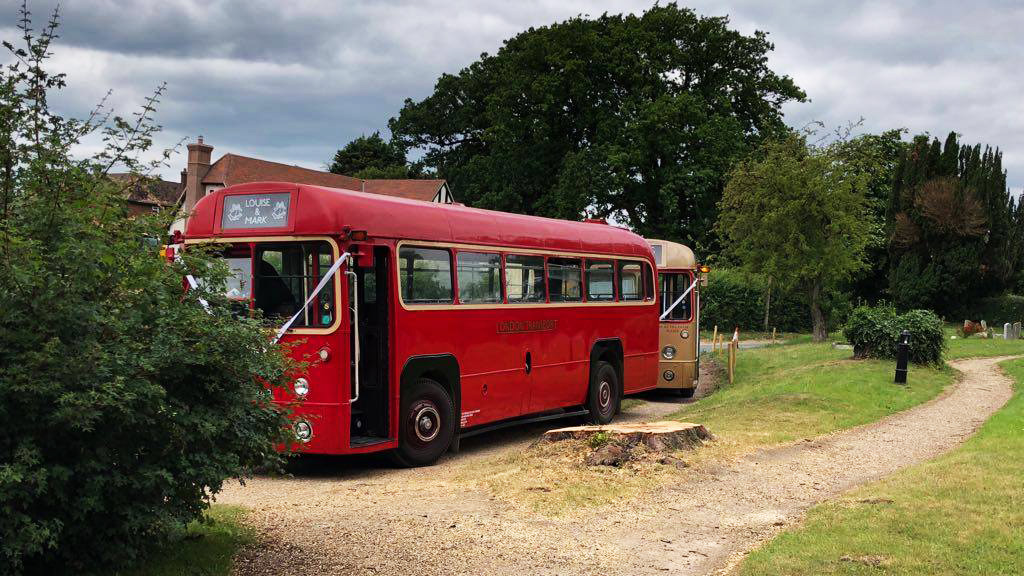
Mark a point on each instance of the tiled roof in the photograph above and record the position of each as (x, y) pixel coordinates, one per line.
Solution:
(233, 169)
(143, 190)
(411, 189)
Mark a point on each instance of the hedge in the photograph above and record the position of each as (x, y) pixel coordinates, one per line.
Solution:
(995, 310)
(734, 298)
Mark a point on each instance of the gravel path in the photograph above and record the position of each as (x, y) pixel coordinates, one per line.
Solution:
(349, 516)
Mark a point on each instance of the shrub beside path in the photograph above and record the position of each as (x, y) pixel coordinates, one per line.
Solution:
(374, 521)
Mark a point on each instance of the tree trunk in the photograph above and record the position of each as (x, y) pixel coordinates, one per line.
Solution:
(767, 304)
(817, 317)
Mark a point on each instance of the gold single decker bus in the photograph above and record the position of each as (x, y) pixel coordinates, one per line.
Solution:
(679, 280)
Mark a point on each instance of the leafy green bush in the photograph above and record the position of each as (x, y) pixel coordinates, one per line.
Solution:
(735, 298)
(927, 338)
(875, 332)
(124, 404)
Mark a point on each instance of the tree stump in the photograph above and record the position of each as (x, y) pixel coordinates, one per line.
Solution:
(655, 436)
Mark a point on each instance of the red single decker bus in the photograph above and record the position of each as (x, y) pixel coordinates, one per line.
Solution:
(431, 321)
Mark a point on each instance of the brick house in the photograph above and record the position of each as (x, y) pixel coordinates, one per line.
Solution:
(143, 195)
(201, 176)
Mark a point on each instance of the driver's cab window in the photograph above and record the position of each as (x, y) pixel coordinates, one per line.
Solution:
(285, 275)
(673, 286)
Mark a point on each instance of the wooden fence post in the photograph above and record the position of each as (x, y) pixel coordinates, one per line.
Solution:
(732, 361)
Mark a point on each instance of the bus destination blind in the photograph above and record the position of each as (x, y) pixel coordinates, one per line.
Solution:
(255, 211)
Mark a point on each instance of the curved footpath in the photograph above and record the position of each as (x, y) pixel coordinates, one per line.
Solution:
(381, 521)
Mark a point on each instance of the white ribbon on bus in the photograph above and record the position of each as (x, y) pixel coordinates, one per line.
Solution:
(319, 287)
(195, 286)
(679, 300)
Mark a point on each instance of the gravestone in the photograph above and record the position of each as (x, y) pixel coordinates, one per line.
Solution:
(1016, 330)
(1007, 331)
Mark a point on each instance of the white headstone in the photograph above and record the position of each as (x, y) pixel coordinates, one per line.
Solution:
(1007, 331)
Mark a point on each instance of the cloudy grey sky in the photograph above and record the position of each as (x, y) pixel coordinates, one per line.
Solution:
(293, 81)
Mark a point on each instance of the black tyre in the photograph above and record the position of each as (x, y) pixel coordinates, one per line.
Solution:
(686, 392)
(604, 395)
(427, 424)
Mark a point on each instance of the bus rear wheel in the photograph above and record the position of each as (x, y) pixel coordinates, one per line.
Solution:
(427, 425)
(603, 396)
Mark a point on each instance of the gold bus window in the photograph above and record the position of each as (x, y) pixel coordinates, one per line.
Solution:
(673, 285)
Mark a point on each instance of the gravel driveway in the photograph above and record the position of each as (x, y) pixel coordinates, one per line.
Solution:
(357, 516)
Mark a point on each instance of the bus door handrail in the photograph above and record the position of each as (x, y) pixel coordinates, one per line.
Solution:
(355, 331)
(319, 287)
(679, 300)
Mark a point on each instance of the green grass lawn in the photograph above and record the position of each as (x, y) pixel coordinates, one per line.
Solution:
(974, 346)
(207, 549)
(962, 513)
(785, 393)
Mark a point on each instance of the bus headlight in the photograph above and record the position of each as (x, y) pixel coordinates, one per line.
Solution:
(303, 431)
(684, 334)
(668, 352)
(301, 387)
(668, 375)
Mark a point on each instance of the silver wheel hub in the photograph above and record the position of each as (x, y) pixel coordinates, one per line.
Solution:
(604, 394)
(427, 423)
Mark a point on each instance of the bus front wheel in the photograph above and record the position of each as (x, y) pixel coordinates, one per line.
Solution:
(603, 395)
(427, 425)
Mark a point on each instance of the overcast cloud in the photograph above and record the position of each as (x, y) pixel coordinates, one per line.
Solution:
(294, 81)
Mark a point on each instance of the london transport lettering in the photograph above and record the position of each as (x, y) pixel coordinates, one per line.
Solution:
(516, 326)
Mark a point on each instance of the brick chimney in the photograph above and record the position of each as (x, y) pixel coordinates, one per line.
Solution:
(198, 165)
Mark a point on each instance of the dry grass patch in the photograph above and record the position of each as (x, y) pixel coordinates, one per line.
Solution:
(552, 478)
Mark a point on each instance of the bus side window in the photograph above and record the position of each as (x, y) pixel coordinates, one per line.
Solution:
(600, 281)
(630, 281)
(524, 278)
(479, 277)
(565, 279)
(425, 275)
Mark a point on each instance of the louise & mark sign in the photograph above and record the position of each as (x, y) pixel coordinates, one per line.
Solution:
(255, 211)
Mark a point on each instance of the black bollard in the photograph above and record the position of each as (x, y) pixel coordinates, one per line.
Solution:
(902, 357)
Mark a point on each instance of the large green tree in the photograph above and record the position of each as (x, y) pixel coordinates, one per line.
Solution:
(955, 232)
(798, 214)
(877, 157)
(373, 157)
(635, 117)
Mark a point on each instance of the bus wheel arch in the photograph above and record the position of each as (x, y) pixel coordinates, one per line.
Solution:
(605, 355)
(429, 384)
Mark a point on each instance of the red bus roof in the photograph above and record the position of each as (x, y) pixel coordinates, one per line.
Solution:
(316, 210)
